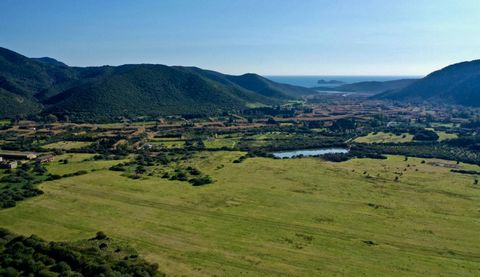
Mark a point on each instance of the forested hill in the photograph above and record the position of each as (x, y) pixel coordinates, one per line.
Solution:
(370, 87)
(455, 84)
(45, 85)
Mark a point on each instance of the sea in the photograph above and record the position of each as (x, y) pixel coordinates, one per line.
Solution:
(312, 81)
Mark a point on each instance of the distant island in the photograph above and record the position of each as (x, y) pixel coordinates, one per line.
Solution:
(330, 82)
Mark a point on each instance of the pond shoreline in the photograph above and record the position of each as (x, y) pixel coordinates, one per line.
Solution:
(310, 152)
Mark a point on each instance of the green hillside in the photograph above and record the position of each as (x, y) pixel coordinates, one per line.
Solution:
(12, 104)
(45, 85)
(150, 90)
(26, 77)
(371, 87)
(454, 84)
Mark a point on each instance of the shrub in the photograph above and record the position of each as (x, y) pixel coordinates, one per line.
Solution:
(100, 235)
(200, 181)
(425, 135)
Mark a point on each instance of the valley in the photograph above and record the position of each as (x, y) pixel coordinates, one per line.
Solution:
(239, 138)
(207, 196)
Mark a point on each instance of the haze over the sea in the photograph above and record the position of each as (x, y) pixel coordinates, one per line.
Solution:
(312, 80)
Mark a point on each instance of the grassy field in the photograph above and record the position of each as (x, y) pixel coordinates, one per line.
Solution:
(168, 143)
(382, 137)
(67, 145)
(445, 136)
(5, 122)
(267, 217)
(77, 162)
(221, 142)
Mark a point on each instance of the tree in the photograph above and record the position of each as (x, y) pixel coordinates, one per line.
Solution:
(343, 125)
(100, 235)
(271, 120)
(200, 181)
(51, 118)
(426, 135)
(140, 170)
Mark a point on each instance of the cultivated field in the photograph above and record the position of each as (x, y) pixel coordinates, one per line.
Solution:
(272, 217)
(382, 137)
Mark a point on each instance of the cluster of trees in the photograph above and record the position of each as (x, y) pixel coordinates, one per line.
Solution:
(294, 141)
(191, 174)
(143, 161)
(469, 142)
(271, 111)
(425, 135)
(20, 184)
(99, 256)
(356, 151)
(427, 150)
(200, 181)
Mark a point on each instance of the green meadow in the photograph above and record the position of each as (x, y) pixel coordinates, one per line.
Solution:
(382, 137)
(265, 217)
(445, 136)
(67, 145)
(79, 162)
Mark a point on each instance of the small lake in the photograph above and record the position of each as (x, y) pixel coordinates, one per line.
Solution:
(309, 152)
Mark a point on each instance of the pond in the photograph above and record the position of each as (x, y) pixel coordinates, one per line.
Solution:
(310, 152)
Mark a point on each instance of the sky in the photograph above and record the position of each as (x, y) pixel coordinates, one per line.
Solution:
(269, 37)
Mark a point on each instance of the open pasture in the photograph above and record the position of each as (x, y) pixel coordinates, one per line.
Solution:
(273, 217)
(382, 137)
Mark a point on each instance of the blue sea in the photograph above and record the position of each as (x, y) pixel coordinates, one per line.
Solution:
(312, 81)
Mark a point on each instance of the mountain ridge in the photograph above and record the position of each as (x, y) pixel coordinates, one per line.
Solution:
(454, 84)
(47, 85)
(370, 87)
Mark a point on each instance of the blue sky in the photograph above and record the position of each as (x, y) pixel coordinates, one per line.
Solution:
(349, 37)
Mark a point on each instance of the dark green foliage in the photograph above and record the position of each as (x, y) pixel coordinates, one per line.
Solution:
(343, 125)
(118, 167)
(240, 159)
(13, 105)
(454, 84)
(21, 78)
(145, 90)
(271, 120)
(273, 111)
(336, 157)
(200, 181)
(77, 173)
(20, 184)
(107, 93)
(193, 171)
(425, 135)
(100, 236)
(266, 87)
(32, 256)
(425, 150)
